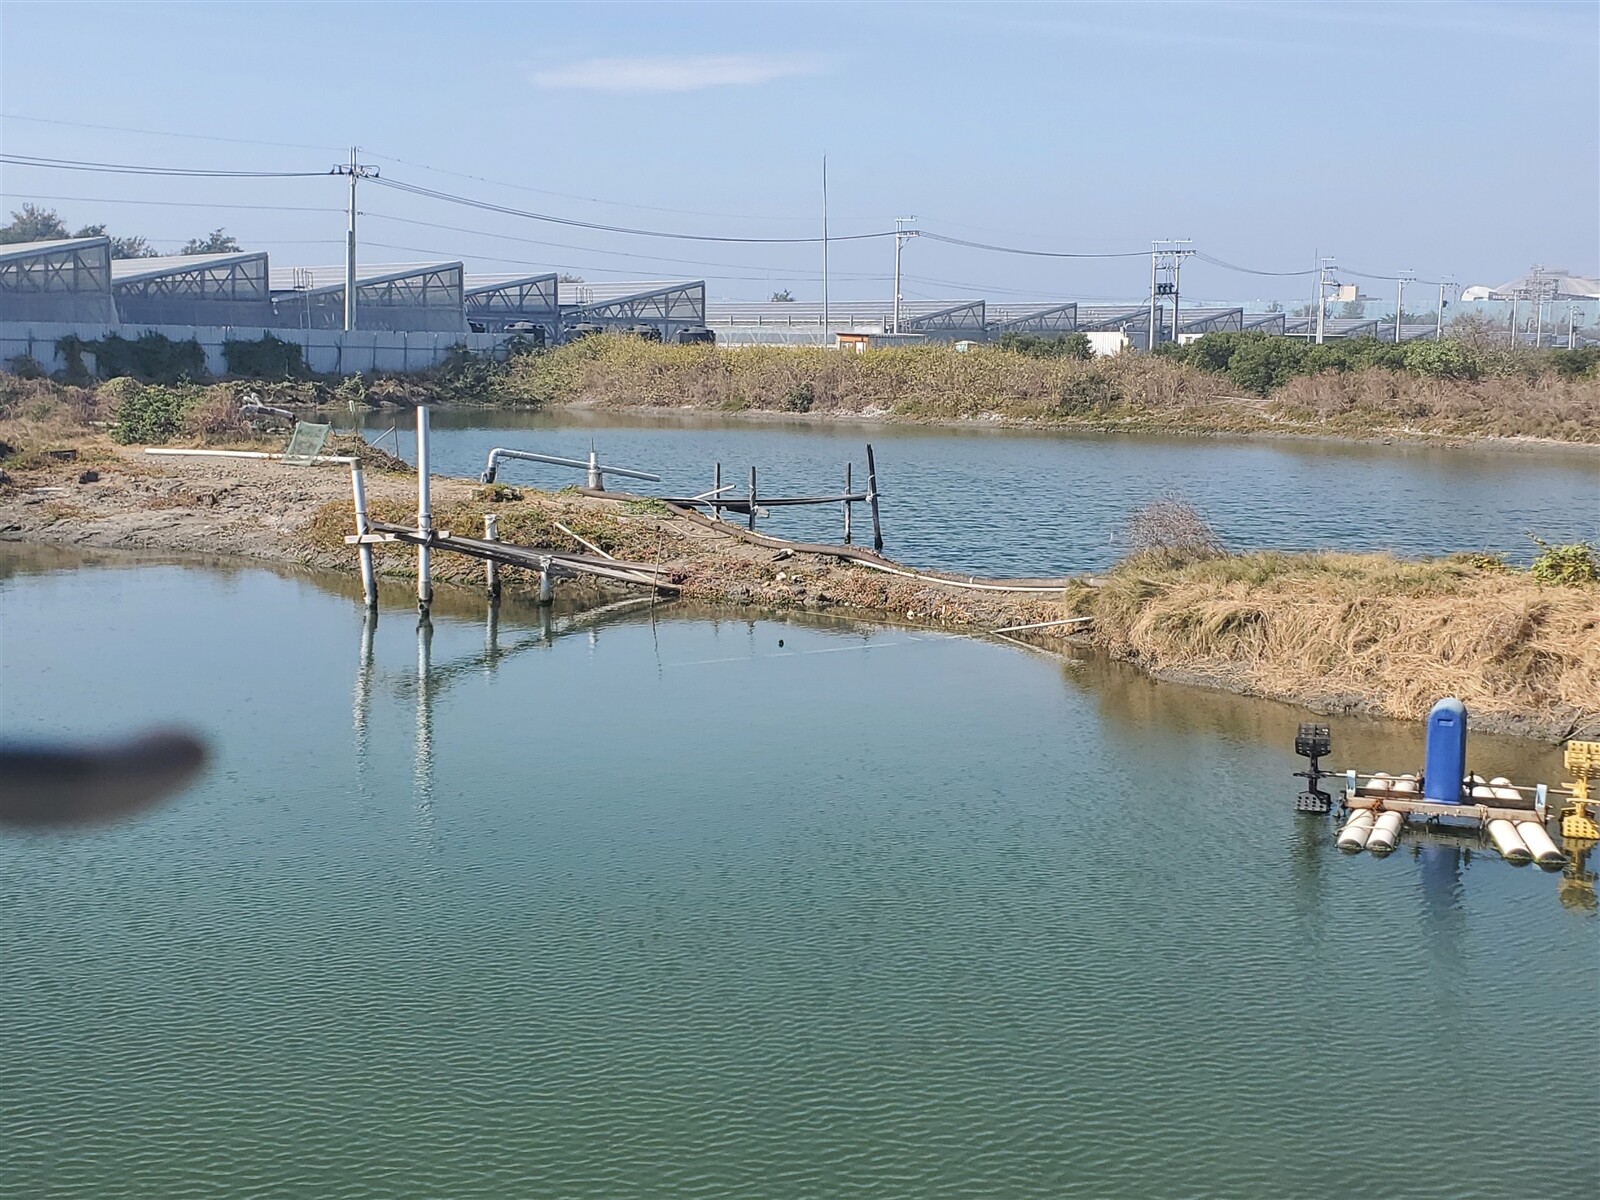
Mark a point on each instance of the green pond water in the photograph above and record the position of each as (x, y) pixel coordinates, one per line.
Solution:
(708, 904)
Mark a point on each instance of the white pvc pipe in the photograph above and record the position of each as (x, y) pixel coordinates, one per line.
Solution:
(424, 511)
(1540, 844)
(369, 578)
(1508, 841)
(1356, 831)
(321, 458)
(1385, 833)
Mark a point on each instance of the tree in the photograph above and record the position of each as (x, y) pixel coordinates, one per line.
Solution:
(121, 247)
(783, 297)
(571, 278)
(215, 242)
(31, 223)
(1274, 307)
(1353, 309)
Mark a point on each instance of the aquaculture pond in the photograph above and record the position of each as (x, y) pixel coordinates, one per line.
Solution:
(1010, 502)
(665, 902)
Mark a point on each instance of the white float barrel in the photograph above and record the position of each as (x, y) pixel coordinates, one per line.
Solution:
(1385, 832)
(1508, 841)
(1405, 786)
(1540, 844)
(1380, 783)
(1356, 830)
(1482, 793)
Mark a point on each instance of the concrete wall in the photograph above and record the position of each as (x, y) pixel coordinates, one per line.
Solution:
(327, 351)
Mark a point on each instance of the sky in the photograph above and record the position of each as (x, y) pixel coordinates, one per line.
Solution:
(1445, 139)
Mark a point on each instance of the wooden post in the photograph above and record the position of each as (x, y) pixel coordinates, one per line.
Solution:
(752, 498)
(491, 569)
(872, 499)
(369, 578)
(716, 492)
(847, 504)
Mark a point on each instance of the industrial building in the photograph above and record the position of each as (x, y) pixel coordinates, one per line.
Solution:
(393, 298)
(668, 307)
(193, 289)
(496, 301)
(67, 280)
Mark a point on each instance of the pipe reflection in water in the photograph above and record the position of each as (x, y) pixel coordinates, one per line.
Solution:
(361, 705)
(422, 765)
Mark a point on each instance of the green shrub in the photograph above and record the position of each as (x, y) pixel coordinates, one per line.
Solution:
(1260, 363)
(1581, 363)
(25, 366)
(798, 399)
(268, 358)
(150, 358)
(152, 415)
(1062, 345)
(1565, 565)
(1088, 393)
(1441, 360)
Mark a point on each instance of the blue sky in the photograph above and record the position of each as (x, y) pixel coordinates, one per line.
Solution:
(1443, 138)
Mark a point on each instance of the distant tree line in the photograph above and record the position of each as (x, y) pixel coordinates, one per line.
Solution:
(31, 223)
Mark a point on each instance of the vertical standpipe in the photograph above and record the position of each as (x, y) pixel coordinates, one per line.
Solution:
(369, 579)
(1445, 764)
(424, 512)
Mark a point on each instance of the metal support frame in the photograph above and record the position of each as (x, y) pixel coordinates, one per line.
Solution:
(596, 471)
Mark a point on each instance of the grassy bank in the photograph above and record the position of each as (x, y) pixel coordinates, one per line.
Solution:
(1172, 393)
(1362, 632)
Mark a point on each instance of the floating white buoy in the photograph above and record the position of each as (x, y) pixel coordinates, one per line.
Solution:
(1380, 783)
(1385, 832)
(1356, 830)
(1406, 785)
(1503, 791)
(1540, 844)
(1481, 792)
(1508, 841)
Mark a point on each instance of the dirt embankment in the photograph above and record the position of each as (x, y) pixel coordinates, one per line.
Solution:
(1337, 633)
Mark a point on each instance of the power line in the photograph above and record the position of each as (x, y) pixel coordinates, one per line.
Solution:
(198, 137)
(585, 249)
(939, 237)
(184, 204)
(543, 265)
(69, 164)
(488, 206)
(1228, 266)
(688, 212)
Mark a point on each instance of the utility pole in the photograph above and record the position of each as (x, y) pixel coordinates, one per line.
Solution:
(1438, 332)
(1166, 258)
(356, 171)
(1150, 339)
(1572, 325)
(1538, 305)
(1515, 296)
(900, 236)
(1179, 253)
(1400, 300)
(826, 340)
(1322, 296)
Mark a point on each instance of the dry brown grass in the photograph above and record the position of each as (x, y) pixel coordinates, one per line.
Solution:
(1378, 400)
(1334, 629)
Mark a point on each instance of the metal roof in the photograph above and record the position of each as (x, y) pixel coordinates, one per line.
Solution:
(492, 283)
(126, 270)
(15, 250)
(808, 312)
(321, 280)
(582, 295)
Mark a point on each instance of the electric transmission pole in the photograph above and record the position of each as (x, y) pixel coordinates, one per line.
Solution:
(1438, 332)
(1400, 301)
(900, 236)
(356, 171)
(1322, 296)
(1166, 263)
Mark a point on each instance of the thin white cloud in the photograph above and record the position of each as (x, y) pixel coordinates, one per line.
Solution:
(684, 73)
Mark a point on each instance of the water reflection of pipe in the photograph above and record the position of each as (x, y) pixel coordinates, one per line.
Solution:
(491, 638)
(422, 767)
(361, 715)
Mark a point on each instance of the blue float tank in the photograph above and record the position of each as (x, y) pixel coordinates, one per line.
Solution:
(1446, 763)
